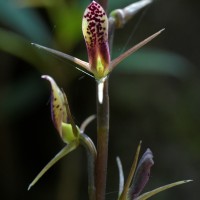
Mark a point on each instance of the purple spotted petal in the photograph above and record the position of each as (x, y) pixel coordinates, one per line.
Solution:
(58, 105)
(95, 31)
(142, 175)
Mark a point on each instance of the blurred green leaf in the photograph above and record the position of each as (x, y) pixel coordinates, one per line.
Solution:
(35, 3)
(67, 20)
(25, 21)
(154, 61)
(16, 45)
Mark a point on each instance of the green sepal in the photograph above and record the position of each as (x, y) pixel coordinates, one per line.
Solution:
(160, 189)
(67, 149)
(124, 193)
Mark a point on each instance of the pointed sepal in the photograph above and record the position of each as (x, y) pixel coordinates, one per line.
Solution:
(67, 149)
(95, 32)
(73, 59)
(133, 49)
(125, 191)
(160, 189)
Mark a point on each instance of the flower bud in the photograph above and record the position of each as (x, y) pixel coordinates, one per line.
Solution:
(60, 113)
(95, 31)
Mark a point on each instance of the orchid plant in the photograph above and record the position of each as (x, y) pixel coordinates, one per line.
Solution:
(98, 31)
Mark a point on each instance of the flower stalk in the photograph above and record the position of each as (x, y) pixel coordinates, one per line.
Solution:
(102, 140)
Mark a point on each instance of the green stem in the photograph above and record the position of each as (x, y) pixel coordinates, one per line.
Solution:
(102, 141)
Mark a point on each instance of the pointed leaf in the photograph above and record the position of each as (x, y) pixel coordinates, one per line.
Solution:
(160, 189)
(61, 154)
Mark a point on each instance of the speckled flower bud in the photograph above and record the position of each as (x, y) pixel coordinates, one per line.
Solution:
(95, 31)
(59, 112)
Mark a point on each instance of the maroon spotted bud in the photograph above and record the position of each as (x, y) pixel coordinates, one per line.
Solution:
(60, 113)
(95, 31)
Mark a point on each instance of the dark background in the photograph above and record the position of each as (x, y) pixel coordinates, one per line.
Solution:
(154, 97)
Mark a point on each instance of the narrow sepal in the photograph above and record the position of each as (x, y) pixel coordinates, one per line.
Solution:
(120, 58)
(131, 174)
(67, 149)
(141, 175)
(160, 189)
(75, 60)
(95, 32)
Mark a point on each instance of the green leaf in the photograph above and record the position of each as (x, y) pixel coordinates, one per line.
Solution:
(160, 189)
(16, 45)
(67, 19)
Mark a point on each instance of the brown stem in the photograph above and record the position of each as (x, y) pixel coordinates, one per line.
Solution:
(102, 141)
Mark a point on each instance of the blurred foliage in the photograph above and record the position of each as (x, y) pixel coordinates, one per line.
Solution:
(154, 97)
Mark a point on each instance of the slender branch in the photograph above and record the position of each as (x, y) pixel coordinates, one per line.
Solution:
(91, 157)
(102, 141)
